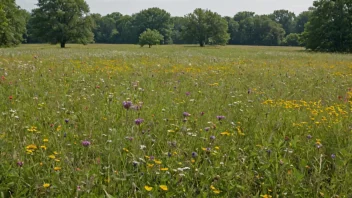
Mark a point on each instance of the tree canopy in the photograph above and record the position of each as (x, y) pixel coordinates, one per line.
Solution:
(63, 21)
(329, 27)
(150, 37)
(205, 26)
(154, 19)
(12, 23)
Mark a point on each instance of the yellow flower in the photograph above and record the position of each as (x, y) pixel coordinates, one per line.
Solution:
(56, 153)
(217, 148)
(148, 188)
(217, 191)
(170, 131)
(126, 150)
(46, 185)
(163, 187)
(52, 156)
(150, 165)
(212, 187)
(157, 161)
(43, 147)
(45, 140)
(57, 168)
(58, 128)
(31, 147)
(164, 169)
(225, 133)
(32, 129)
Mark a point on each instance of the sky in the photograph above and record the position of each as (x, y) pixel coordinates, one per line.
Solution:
(183, 7)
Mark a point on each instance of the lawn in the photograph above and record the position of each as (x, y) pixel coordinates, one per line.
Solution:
(174, 121)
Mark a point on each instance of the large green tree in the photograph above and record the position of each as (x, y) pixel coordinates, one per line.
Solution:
(206, 27)
(259, 30)
(12, 23)
(301, 21)
(329, 27)
(105, 30)
(285, 18)
(62, 21)
(178, 25)
(155, 19)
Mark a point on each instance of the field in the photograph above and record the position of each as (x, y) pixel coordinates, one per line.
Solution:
(174, 121)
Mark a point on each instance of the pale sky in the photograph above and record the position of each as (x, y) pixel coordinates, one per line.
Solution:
(182, 7)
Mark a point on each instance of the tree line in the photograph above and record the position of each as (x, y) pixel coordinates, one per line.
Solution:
(323, 27)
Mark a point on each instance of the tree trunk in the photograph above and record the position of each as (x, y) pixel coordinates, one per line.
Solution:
(201, 43)
(150, 46)
(62, 44)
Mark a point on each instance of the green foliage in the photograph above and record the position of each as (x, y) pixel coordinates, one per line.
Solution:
(105, 30)
(329, 27)
(206, 27)
(179, 23)
(286, 19)
(63, 21)
(154, 19)
(12, 23)
(301, 21)
(240, 16)
(259, 30)
(150, 37)
(292, 39)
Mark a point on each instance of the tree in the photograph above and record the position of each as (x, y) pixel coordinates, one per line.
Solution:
(233, 29)
(178, 26)
(285, 18)
(329, 27)
(155, 19)
(292, 39)
(62, 21)
(126, 29)
(301, 21)
(204, 27)
(240, 16)
(12, 23)
(150, 37)
(105, 30)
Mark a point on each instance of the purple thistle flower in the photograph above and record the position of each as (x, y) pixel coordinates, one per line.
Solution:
(186, 114)
(20, 163)
(86, 143)
(333, 156)
(152, 158)
(212, 137)
(138, 121)
(309, 137)
(127, 104)
(220, 117)
(207, 128)
(67, 120)
(194, 154)
(188, 93)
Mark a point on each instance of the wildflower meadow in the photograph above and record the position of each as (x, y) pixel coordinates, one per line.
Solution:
(174, 121)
